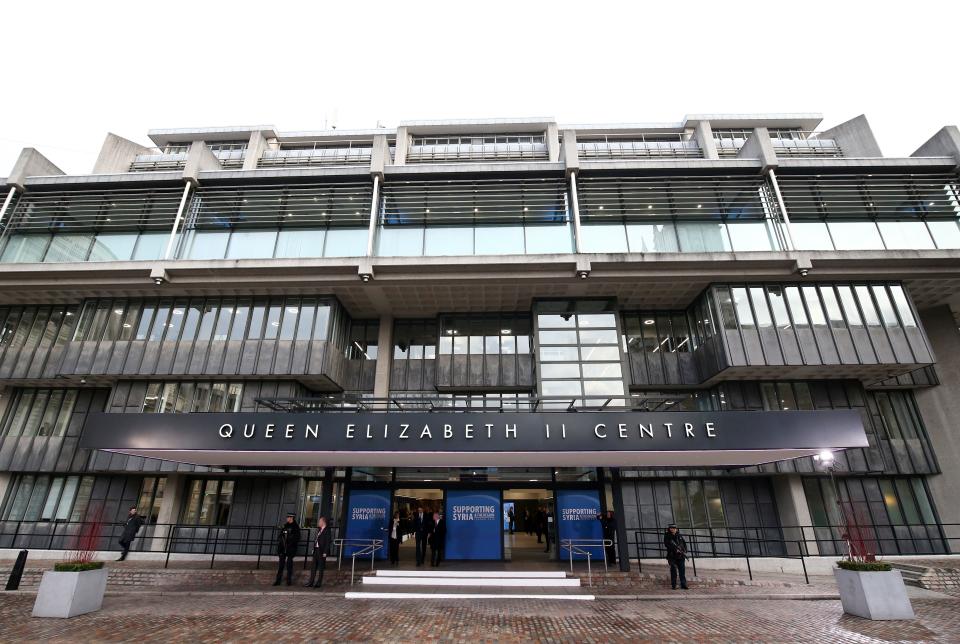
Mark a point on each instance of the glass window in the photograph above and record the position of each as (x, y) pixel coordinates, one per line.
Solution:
(223, 321)
(108, 247)
(191, 321)
(548, 239)
(750, 236)
(69, 247)
(589, 353)
(239, 328)
(400, 241)
(323, 319)
(903, 306)
(833, 307)
(603, 238)
(652, 238)
(911, 235)
(742, 305)
(595, 336)
(25, 248)
(886, 308)
(300, 243)
(252, 244)
(849, 305)
(346, 242)
(205, 244)
(811, 235)
(600, 370)
(855, 235)
(561, 387)
(778, 306)
(498, 240)
(289, 322)
(273, 322)
(558, 337)
(160, 322)
(945, 233)
(257, 315)
(760, 307)
(308, 309)
(556, 321)
(448, 240)
(560, 370)
(702, 237)
(151, 246)
(866, 305)
(206, 321)
(553, 354)
(813, 306)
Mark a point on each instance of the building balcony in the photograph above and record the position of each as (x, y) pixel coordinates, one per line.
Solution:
(340, 153)
(638, 147)
(158, 162)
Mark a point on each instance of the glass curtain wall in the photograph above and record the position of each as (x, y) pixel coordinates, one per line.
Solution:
(872, 212)
(474, 217)
(676, 214)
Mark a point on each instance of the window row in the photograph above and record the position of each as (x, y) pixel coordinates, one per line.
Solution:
(40, 412)
(39, 497)
(530, 239)
(198, 320)
(84, 247)
(904, 234)
(275, 243)
(679, 237)
(192, 397)
(504, 334)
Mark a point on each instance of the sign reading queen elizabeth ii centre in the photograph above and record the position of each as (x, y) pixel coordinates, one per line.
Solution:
(448, 438)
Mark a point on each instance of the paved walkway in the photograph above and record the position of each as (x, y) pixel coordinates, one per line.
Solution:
(294, 618)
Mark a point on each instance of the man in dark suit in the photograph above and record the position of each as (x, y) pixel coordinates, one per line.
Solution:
(422, 527)
(288, 539)
(437, 539)
(321, 546)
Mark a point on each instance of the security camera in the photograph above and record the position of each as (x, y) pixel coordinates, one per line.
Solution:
(365, 277)
(804, 272)
(583, 274)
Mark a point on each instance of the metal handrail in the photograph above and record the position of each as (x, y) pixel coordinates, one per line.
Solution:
(366, 546)
(579, 546)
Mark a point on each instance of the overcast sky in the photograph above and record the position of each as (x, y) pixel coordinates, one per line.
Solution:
(77, 70)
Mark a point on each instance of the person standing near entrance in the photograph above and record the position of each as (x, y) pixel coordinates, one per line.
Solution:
(539, 520)
(130, 529)
(511, 519)
(608, 523)
(546, 519)
(437, 537)
(422, 527)
(287, 541)
(527, 523)
(321, 546)
(676, 547)
(396, 534)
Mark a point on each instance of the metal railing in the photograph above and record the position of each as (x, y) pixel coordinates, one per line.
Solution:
(583, 547)
(363, 547)
(169, 539)
(804, 143)
(453, 152)
(638, 146)
(347, 152)
(156, 162)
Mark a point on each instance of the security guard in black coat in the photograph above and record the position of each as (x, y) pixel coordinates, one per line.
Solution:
(287, 541)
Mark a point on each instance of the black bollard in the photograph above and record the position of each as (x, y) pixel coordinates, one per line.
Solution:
(14, 582)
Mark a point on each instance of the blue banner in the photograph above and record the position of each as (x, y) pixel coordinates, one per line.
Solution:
(577, 512)
(368, 515)
(474, 528)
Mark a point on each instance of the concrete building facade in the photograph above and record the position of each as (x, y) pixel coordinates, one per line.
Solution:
(235, 323)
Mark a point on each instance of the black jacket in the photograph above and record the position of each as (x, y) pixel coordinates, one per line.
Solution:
(608, 525)
(422, 527)
(321, 544)
(288, 539)
(676, 546)
(131, 528)
(438, 534)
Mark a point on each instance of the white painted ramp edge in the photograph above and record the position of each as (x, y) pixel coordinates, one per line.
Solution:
(540, 582)
(375, 595)
(497, 574)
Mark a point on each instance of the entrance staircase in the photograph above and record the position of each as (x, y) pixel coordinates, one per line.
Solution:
(470, 584)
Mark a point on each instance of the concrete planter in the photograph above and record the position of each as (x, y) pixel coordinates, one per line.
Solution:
(65, 594)
(873, 595)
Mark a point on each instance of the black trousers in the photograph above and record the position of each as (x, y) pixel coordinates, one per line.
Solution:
(435, 553)
(421, 548)
(394, 550)
(319, 563)
(611, 552)
(285, 561)
(126, 549)
(678, 567)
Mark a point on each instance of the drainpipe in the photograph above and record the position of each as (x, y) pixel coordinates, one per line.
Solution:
(576, 212)
(783, 209)
(176, 222)
(372, 233)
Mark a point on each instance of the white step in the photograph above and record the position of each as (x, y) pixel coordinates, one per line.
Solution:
(376, 595)
(542, 582)
(495, 574)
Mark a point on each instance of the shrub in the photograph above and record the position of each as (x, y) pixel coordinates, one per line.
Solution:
(77, 566)
(864, 566)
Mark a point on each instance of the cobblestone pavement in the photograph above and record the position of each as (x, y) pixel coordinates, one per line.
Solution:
(225, 618)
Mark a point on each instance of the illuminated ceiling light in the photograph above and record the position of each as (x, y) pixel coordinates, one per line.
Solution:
(292, 309)
(649, 207)
(476, 210)
(648, 321)
(525, 209)
(428, 211)
(601, 207)
(505, 331)
(118, 311)
(699, 205)
(127, 325)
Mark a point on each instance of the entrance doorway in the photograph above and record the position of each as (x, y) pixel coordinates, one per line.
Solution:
(528, 540)
(406, 501)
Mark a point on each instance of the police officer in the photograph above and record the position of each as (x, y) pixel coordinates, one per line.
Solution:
(287, 541)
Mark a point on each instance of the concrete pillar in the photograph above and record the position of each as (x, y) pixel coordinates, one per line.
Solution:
(381, 382)
(31, 163)
(759, 146)
(940, 408)
(199, 159)
(568, 151)
(704, 135)
(403, 142)
(855, 138)
(945, 143)
(255, 148)
(794, 514)
(623, 544)
(174, 494)
(380, 156)
(553, 143)
(117, 153)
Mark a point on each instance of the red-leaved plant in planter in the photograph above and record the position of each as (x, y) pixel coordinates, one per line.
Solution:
(85, 545)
